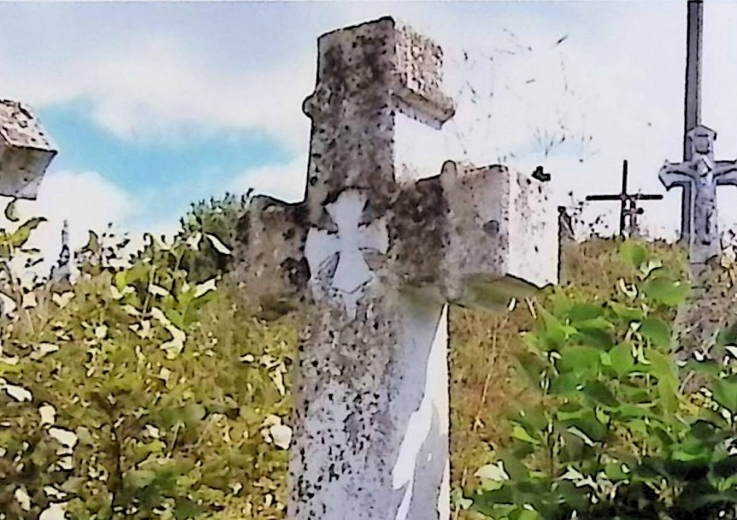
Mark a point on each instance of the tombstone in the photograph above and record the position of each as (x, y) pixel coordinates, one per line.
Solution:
(376, 258)
(566, 233)
(629, 212)
(61, 272)
(702, 174)
(700, 319)
(25, 151)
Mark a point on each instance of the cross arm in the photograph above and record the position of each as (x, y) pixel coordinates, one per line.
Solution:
(477, 236)
(675, 174)
(725, 173)
(271, 238)
(25, 151)
(645, 196)
(603, 197)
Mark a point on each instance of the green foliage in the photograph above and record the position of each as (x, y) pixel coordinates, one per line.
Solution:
(139, 393)
(211, 228)
(611, 436)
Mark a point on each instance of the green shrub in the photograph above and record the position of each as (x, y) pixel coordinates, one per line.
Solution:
(137, 393)
(610, 435)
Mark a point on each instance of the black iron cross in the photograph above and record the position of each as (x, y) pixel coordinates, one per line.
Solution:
(629, 211)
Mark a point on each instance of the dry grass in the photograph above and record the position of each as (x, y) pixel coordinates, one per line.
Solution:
(483, 384)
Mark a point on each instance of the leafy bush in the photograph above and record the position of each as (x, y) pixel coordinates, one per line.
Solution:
(611, 435)
(138, 393)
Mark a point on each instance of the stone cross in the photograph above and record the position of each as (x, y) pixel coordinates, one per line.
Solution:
(702, 174)
(375, 259)
(25, 151)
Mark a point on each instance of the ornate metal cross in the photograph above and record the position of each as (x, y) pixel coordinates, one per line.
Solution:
(702, 174)
(628, 211)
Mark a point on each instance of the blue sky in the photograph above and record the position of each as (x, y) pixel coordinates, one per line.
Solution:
(155, 105)
(187, 169)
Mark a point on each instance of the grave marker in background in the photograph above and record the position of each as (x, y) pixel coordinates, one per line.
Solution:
(628, 211)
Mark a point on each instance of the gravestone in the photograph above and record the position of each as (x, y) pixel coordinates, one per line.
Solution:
(629, 211)
(701, 318)
(376, 257)
(25, 151)
(702, 174)
(61, 272)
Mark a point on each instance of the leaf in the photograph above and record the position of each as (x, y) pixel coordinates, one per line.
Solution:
(494, 472)
(205, 287)
(725, 393)
(120, 280)
(93, 243)
(217, 244)
(526, 514)
(667, 291)
(626, 313)
(599, 392)
(621, 358)
(11, 211)
(668, 392)
(157, 290)
(62, 299)
(513, 466)
(518, 432)
(579, 359)
(633, 253)
(581, 312)
(656, 331)
(193, 413)
(21, 235)
(140, 478)
(184, 509)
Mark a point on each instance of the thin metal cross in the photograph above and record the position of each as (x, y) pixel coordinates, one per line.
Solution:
(628, 211)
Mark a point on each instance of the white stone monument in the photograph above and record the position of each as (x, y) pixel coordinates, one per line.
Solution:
(376, 258)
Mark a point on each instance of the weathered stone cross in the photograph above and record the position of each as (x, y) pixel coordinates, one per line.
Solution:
(376, 259)
(702, 174)
(25, 151)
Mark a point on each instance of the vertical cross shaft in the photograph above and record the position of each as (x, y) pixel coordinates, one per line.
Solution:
(692, 105)
(623, 201)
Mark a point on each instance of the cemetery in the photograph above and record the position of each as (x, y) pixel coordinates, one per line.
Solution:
(392, 346)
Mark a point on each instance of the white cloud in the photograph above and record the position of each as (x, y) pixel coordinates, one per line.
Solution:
(285, 182)
(617, 77)
(85, 199)
(159, 88)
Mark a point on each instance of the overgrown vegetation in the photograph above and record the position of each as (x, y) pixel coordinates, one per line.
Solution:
(153, 390)
(139, 393)
(609, 434)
